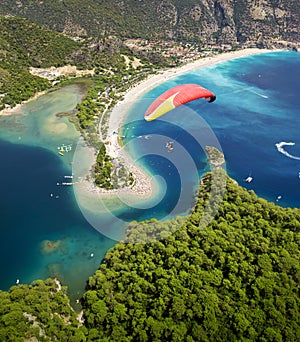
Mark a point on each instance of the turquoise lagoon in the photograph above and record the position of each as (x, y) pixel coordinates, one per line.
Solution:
(255, 121)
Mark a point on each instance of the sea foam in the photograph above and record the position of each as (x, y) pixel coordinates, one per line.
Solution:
(280, 148)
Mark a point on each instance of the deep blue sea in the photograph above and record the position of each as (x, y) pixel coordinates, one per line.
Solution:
(257, 107)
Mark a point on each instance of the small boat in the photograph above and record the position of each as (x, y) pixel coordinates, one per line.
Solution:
(169, 146)
(64, 148)
(249, 179)
(61, 152)
(68, 148)
(67, 183)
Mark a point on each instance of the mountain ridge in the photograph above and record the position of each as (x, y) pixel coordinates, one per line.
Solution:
(243, 22)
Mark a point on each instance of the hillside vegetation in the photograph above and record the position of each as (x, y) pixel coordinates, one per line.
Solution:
(226, 275)
(235, 278)
(39, 310)
(24, 44)
(209, 22)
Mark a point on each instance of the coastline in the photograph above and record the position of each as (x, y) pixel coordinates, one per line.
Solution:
(14, 110)
(51, 74)
(144, 186)
(118, 113)
(120, 110)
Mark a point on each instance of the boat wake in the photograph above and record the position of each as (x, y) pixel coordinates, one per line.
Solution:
(261, 95)
(280, 148)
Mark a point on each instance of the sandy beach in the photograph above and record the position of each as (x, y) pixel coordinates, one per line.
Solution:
(143, 183)
(120, 110)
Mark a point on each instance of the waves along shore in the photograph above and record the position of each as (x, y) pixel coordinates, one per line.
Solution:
(119, 112)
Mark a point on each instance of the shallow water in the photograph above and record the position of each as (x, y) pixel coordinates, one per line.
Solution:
(34, 209)
(257, 107)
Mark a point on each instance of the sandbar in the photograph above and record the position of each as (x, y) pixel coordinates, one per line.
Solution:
(53, 125)
(144, 185)
(119, 112)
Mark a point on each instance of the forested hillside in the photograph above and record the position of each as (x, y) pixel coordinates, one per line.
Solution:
(38, 312)
(235, 278)
(244, 22)
(24, 44)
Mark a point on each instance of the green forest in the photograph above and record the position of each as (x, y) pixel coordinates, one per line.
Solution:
(231, 274)
(39, 310)
(103, 169)
(228, 271)
(24, 44)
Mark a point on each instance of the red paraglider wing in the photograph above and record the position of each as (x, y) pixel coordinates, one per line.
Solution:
(176, 97)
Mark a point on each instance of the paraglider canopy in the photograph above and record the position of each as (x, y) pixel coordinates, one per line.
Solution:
(176, 97)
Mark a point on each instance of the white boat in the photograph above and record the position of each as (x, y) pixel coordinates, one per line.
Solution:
(169, 146)
(249, 179)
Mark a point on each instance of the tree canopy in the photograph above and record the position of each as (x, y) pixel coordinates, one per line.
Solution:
(24, 44)
(40, 310)
(235, 279)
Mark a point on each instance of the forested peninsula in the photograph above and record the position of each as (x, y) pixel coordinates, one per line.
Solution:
(229, 272)
(234, 278)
